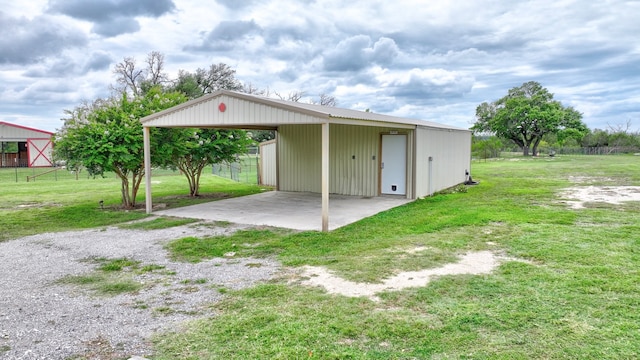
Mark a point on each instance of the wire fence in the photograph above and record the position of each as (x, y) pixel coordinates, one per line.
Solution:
(26, 174)
(488, 153)
(600, 150)
(245, 169)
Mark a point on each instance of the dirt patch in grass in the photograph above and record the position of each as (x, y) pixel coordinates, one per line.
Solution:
(472, 263)
(594, 180)
(577, 197)
(31, 205)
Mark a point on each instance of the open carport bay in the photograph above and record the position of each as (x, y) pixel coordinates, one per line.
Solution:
(292, 210)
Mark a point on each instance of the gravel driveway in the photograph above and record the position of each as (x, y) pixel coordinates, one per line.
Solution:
(42, 318)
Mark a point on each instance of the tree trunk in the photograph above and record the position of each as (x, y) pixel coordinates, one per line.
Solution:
(518, 141)
(525, 150)
(535, 146)
(136, 180)
(127, 201)
(126, 198)
(191, 179)
(193, 187)
(196, 190)
(194, 181)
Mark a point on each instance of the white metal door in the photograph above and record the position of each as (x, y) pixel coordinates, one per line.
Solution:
(393, 165)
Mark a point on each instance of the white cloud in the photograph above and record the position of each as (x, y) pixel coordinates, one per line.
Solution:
(111, 18)
(431, 60)
(26, 41)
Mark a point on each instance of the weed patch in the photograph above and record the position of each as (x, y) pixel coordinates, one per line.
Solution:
(103, 284)
(112, 276)
(118, 264)
(151, 268)
(243, 243)
(113, 288)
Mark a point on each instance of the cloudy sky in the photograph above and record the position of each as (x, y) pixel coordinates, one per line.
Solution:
(432, 60)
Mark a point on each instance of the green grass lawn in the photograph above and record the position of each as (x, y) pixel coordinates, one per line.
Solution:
(61, 201)
(575, 296)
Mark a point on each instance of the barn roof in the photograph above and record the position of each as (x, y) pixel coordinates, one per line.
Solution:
(15, 132)
(204, 111)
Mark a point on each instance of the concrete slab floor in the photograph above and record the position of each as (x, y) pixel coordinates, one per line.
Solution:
(291, 210)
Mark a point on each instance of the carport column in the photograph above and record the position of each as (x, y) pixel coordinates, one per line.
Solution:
(147, 167)
(325, 177)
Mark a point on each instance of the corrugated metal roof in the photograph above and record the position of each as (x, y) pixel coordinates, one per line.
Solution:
(327, 112)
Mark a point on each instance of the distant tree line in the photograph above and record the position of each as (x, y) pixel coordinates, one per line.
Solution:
(618, 136)
(615, 140)
(530, 119)
(105, 135)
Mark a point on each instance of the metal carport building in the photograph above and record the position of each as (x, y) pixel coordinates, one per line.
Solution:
(332, 150)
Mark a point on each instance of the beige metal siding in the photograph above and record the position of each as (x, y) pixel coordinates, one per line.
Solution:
(268, 163)
(239, 113)
(299, 158)
(451, 154)
(354, 159)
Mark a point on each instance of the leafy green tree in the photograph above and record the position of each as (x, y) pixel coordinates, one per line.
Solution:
(9, 147)
(623, 139)
(205, 81)
(65, 150)
(191, 150)
(262, 135)
(622, 136)
(107, 136)
(525, 115)
(485, 148)
(596, 138)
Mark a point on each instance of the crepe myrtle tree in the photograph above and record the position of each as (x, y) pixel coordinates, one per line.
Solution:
(63, 152)
(525, 115)
(109, 137)
(191, 150)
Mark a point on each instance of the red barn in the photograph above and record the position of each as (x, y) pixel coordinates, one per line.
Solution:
(21, 146)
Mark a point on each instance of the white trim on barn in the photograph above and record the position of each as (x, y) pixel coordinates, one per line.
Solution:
(34, 146)
(327, 149)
